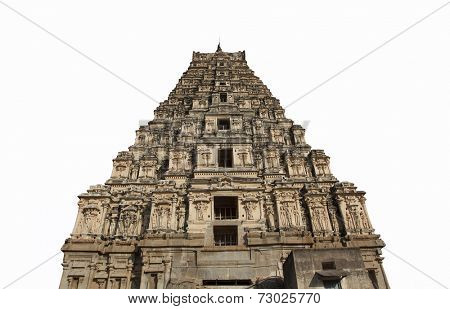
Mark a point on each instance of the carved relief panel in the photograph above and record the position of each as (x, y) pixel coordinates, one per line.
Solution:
(188, 127)
(236, 124)
(179, 161)
(243, 156)
(210, 125)
(148, 167)
(288, 208)
(91, 215)
(206, 156)
(252, 204)
(318, 212)
(277, 135)
(258, 127)
(321, 163)
(199, 104)
(163, 212)
(351, 205)
(130, 219)
(141, 138)
(270, 213)
(122, 167)
(297, 165)
(272, 162)
(299, 135)
(199, 207)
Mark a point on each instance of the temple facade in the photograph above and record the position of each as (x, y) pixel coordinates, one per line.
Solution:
(221, 190)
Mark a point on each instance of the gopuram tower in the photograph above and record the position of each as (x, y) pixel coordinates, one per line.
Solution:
(221, 190)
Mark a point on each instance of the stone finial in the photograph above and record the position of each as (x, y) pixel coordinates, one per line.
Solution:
(219, 49)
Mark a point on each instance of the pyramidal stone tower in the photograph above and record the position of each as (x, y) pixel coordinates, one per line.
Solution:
(221, 190)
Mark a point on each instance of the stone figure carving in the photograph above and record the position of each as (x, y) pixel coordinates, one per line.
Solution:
(244, 155)
(120, 169)
(181, 214)
(148, 168)
(187, 128)
(258, 161)
(128, 221)
(334, 219)
(179, 160)
(258, 128)
(200, 203)
(235, 124)
(319, 214)
(318, 219)
(269, 215)
(297, 165)
(272, 158)
(161, 217)
(355, 217)
(90, 220)
(247, 127)
(209, 126)
(250, 203)
(201, 207)
(290, 216)
(277, 135)
(205, 157)
(135, 171)
(287, 138)
(176, 160)
(299, 136)
(321, 163)
(112, 224)
(263, 113)
(141, 139)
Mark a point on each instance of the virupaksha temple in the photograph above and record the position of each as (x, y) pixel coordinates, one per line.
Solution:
(221, 190)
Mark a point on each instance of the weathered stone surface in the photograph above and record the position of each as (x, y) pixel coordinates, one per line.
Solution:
(217, 191)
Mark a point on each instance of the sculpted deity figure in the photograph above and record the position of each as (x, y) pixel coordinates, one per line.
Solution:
(128, 222)
(297, 165)
(299, 136)
(250, 206)
(91, 220)
(177, 160)
(272, 158)
(168, 214)
(155, 220)
(318, 219)
(180, 219)
(200, 207)
(297, 218)
(322, 167)
(209, 126)
(263, 113)
(258, 127)
(235, 124)
(277, 135)
(244, 156)
(284, 216)
(354, 217)
(287, 138)
(270, 217)
(112, 224)
(188, 128)
(205, 155)
(334, 220)
(148, 169)
(120, 170)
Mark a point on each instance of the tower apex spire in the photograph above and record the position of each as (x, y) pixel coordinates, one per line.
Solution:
(219, 49)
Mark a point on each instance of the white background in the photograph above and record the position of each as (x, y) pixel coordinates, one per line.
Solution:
(384, 122)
